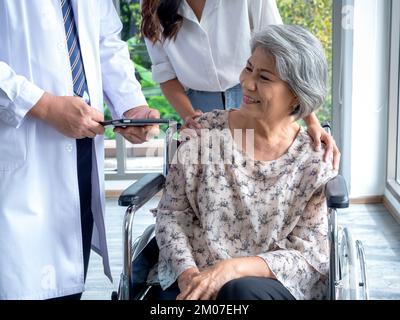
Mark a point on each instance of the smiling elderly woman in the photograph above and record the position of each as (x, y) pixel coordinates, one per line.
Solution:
(253, 227)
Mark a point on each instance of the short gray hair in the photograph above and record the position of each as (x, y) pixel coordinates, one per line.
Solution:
(299, 60)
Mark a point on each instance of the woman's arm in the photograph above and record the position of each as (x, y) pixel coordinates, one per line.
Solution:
(207, 284)
(302, 258)
(175, 222)
(163, 73)
(176, 95)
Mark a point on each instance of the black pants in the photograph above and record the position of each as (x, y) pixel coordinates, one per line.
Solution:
(84, 161)
(156, 293)
(254, 288)
(246, 288)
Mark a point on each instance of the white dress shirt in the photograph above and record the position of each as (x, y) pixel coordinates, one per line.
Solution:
(209, 55)
(40, 228)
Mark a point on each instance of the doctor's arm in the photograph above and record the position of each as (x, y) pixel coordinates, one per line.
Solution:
(122, 91)
(20, 98)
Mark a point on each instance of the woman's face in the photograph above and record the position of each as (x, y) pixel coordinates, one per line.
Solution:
(264, 93)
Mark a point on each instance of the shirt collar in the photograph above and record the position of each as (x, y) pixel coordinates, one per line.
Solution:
(186, 11)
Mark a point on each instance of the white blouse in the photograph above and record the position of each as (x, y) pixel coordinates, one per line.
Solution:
(272, 209)
(209, 55)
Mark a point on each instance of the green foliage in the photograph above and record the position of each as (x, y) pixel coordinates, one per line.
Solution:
(146, 79)
(315, 16)
(109, 133)
(162, 105)
(107, 113)
(130, 18)
(138, 52)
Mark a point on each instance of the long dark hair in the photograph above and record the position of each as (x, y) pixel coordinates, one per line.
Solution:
(160, 19)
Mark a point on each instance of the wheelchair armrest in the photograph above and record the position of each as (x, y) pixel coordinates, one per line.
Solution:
(336, 193)
(142, 190)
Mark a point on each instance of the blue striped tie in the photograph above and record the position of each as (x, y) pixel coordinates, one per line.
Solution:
(74, 51)
(84, 146)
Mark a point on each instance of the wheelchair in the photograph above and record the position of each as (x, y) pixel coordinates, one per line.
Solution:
(347, 267)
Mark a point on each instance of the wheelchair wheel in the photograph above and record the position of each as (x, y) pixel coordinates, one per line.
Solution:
(352, 284)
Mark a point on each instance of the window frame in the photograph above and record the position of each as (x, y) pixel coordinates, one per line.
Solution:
(342, 81)
(393, 153)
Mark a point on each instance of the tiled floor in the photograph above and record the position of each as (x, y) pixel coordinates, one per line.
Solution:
(372, 224)
(380, 235)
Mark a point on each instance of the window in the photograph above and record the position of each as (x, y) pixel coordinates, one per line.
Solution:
(398, 121)
(316, 16)
(393, 161)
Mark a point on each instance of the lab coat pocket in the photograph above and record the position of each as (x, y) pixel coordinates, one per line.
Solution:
(12, 147)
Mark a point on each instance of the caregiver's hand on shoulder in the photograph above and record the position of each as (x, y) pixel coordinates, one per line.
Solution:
(191, 122)
(191, 128)
(318, 134)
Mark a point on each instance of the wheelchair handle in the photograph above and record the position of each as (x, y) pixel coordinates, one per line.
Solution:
(327, 126)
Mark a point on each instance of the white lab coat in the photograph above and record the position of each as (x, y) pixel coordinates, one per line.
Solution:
(40, 229)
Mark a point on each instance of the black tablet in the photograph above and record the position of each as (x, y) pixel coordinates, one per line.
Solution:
(133, 122)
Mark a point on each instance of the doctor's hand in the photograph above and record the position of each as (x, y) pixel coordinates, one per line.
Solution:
(69, 115)
(143, 133)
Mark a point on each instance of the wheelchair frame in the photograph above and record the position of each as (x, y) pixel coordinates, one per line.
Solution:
(347, 270)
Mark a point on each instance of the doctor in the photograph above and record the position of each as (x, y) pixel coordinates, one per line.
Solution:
(58, 58)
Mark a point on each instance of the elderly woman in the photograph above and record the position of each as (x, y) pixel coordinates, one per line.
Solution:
(251, 223)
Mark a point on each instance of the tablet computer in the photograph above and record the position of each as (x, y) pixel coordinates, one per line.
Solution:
(133, 122)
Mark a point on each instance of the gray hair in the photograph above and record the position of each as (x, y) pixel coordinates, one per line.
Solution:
(299, 60)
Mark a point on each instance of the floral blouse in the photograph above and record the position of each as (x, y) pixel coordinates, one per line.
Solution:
(216, 210)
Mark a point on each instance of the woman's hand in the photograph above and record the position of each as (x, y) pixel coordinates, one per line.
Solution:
(191, 126)
(318, 134)
(190, 121)
(186, 277)
(205, 285)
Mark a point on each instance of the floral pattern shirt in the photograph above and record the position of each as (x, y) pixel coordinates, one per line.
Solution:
(216, 210)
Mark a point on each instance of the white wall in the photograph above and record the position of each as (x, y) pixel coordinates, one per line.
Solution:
(370, 98)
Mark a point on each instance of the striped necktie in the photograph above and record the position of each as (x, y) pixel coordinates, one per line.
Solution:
(74, 51)
(84, 147)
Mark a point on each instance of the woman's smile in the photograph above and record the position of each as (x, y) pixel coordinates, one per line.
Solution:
(249, 100)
